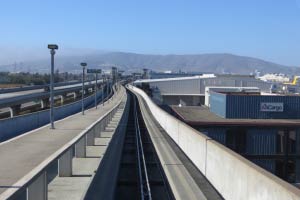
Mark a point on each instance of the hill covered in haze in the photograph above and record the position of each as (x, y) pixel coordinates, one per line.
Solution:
(216, 63)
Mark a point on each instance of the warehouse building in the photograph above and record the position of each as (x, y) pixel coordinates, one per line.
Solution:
(190, 91)
(262, 128)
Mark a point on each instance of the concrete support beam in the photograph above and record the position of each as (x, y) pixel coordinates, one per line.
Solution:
(75, 95)
(98, 129)
(44, 103)
(106, 121)
(14, 110)
(38, 189)
(90, 137)
(80, 148)
(65, 164)
(62, 98)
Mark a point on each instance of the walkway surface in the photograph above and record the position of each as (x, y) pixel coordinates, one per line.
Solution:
(21, 155)
(83, 169)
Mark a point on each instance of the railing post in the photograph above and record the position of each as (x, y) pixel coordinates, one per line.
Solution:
(65, 164)
(38, 189)
(80, 148)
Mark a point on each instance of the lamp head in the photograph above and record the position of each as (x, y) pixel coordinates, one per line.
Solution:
(83, 64)
(52, 46)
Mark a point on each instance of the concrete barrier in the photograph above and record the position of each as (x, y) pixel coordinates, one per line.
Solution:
(232, 175)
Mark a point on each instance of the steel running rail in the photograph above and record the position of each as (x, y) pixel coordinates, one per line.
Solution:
(142, 168)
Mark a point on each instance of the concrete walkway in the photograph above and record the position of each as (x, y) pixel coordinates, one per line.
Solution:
(75, 186)
(21, 155)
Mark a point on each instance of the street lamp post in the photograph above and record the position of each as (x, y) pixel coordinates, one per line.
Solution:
(102, 89)
(52, 48)
(96, 74)
(82, 93)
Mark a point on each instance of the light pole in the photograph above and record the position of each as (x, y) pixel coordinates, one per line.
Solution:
(82, 93)
(96, 74)
(52, 48)
(102, 89)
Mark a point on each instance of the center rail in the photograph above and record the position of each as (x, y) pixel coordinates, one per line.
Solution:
(140, 175)
(143, 174)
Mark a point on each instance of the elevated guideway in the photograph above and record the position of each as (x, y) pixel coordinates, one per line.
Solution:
(20, 97)
(25, 159)
(11, 127)
(35, 87)
(233, 176)
(130, 149)
(142, 164)
(116, 156)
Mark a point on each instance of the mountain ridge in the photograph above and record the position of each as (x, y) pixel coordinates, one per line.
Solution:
(209, 62)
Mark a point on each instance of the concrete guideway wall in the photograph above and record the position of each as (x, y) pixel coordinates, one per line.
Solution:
(15, 126)
(232, 175)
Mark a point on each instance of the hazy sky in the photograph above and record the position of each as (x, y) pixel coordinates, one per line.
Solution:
(267, 29)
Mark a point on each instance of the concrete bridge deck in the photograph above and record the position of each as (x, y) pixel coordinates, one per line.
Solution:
(22, 155)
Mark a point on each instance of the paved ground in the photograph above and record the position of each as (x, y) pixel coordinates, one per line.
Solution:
(18, 157)
(73, 188)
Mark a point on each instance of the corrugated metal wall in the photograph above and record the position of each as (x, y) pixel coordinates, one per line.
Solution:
(216, 82)
(218, 134)
(238, 106)
(298, 151)
(190, 86)
(266, 164)
(197, 85)
(261, 141)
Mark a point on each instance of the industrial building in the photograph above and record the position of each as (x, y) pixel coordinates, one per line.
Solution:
(170, 74)
(190, 91)
(262, 128)
(239, 111)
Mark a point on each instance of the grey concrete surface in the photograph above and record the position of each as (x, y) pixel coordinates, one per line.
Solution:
(182, 184)
(74, 187)
(21, 155)
(104, 182)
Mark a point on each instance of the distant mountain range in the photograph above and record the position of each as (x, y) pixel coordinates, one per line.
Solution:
(216, 63)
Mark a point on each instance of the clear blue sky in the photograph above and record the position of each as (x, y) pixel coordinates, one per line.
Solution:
(268, 29)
